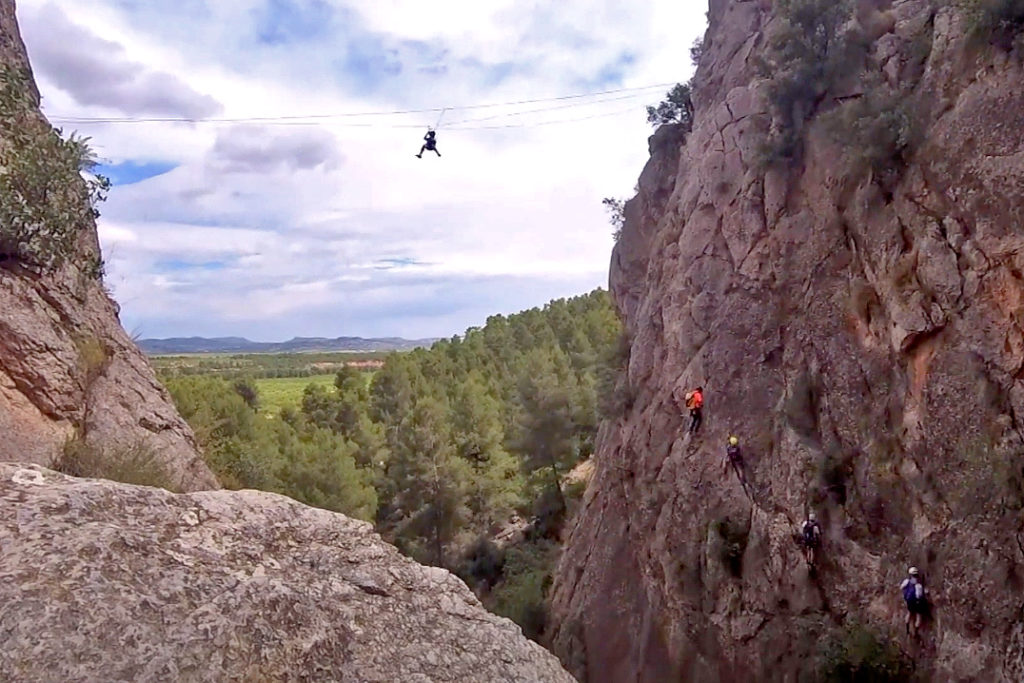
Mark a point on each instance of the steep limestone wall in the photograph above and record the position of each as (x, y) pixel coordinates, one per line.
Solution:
(67, 368)
(863, 335)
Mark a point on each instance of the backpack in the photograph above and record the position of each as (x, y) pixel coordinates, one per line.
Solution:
(910, 592)
(809, 537)
(691, 399)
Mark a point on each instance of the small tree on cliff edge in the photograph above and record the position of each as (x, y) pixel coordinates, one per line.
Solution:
(48, 188)
(677, 107)
(616, 209)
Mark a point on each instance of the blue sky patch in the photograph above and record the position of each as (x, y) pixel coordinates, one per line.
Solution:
(610, 75)
(291, 21)
(495, 73)
(368, 63)
(179, 265)
(130, 172)
(401, 262)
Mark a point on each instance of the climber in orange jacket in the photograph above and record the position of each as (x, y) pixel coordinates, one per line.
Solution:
(695, 404)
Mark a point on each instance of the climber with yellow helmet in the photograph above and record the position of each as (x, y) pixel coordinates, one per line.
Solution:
(734, 457)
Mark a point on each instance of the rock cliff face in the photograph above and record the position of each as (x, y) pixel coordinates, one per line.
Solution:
(67, 368)
(861, 332)
(102, 581)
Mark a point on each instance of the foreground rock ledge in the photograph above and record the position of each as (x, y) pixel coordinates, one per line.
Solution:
(104, 581)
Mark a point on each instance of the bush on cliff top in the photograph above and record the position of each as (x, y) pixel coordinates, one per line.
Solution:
(731, 544)
(45, 202)
(616, 209)
(876, 130)
(677, 107)
(1001, 22)
(861, 654)
(522, 594)
(135, 463)
(809, 51)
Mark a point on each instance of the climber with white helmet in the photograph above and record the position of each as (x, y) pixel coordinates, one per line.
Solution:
(810, 538)
(914, 596)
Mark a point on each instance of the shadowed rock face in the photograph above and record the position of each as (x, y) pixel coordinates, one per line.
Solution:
(102, 581)
(866, 343)
(67, 367)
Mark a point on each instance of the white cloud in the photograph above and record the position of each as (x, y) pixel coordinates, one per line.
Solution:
(96, 72)
(259, 149)
(332, 226)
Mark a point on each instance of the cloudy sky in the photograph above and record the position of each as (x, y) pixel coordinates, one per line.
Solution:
(289, 200)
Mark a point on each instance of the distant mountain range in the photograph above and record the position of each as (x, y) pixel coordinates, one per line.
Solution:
(176, 345)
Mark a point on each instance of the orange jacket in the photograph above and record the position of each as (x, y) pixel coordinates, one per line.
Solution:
(695, 400)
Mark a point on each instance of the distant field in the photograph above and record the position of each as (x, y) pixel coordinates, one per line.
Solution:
(281, 392)
(265, 365)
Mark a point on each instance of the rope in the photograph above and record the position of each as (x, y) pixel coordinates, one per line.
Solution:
(304, 119)
(438, 124)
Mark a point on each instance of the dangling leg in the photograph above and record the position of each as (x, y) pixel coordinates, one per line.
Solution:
(742, 474)
(436, 152)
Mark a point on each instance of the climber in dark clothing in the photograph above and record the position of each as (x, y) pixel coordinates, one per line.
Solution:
(810, 538)
(429, 144)
(734, 457)
(914, 595)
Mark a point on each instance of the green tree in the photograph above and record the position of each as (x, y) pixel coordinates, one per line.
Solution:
(45, 202)
(677, 107)
(808, 52)
(318, 468)
(522, 594)
(290, 456)
(496, 487)
(393, 392)
(1001, 22)
(249, 392)
(545, 429)
(427, 485)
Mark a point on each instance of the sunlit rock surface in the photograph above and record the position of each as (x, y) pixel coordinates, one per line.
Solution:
(867, 347)
(102, 581)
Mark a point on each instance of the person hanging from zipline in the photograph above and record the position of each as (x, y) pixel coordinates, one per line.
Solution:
(430, 144)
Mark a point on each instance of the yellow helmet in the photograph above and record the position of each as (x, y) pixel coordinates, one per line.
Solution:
(734, 441)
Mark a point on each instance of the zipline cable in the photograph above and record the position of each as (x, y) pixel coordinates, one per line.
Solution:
(457, 125)
(286, 118)
(620, 112)
(546, 109)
